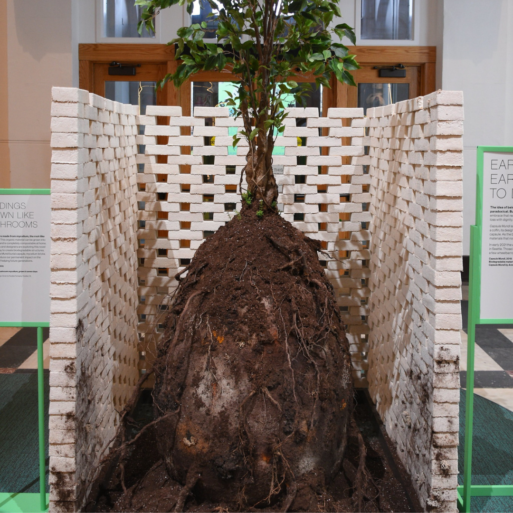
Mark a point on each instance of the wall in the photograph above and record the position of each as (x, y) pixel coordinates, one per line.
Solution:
(89, 13)
(93, 325)
(439, 42)
(38, 57)
(5, 159)
(415, 285)
(425, 27)
(478, 59)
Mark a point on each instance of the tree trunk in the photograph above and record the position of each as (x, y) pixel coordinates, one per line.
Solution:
(259, 168)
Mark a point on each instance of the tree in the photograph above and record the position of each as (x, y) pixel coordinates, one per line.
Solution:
(253, 395)
(266, 44)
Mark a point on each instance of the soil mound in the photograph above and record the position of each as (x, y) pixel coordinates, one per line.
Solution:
(253, 393)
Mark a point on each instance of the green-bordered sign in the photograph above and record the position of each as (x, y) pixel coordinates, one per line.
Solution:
(495, 217)
(24, 257)
(25, 220)
(490, 290)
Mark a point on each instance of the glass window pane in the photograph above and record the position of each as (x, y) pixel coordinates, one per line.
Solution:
(312, 98)
(120, 19)
(379, 95)
(213, 94)
(200, 13)
(129, 91)
(134, 93)
(387, 19)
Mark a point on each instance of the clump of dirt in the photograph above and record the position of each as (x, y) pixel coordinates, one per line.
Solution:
(253, 394)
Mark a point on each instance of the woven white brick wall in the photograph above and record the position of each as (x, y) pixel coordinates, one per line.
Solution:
(394, 212)
(93, 325)
(415, 285)
(185, 195)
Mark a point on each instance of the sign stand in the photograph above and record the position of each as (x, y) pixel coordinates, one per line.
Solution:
(494, 211)
(31, 502)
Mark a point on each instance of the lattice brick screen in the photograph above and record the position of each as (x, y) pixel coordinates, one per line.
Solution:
(189, 189)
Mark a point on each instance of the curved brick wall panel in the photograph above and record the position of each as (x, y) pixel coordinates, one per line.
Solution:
(93, 327)
(415, 285)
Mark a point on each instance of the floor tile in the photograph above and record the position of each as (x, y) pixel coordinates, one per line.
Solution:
(482, 361)
(7, 333)
(488, 379)
(490, 336)
(504, 357)
(31, 361)
(14, 356)
(500, 396)
(19, 347)
(508, 333)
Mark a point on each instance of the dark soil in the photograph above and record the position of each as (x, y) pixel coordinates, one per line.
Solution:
(253, 398)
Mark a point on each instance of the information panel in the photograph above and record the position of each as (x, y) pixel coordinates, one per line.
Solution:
(497, 236)
(24, 257)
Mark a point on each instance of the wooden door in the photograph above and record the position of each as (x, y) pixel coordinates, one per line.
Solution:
(374, 91)
(141, 86)
(94, 59)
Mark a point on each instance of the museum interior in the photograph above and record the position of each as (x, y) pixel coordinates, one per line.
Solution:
(404, 179)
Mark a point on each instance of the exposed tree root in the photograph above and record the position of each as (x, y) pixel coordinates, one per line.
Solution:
(252, 399)
(192, 478)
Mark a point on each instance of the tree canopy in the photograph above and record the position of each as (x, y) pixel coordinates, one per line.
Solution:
(266, 45)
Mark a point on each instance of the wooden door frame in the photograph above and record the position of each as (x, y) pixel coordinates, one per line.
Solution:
(91, 54)
(422, 56)
(150, 72)
(367, 74)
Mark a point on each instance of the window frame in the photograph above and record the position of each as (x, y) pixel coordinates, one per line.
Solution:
(415, 41)
(100, 38)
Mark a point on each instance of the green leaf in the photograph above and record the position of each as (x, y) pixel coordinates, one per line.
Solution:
(348, 78)
(316, 57)
(340, 51)
(336, 9)
(308, 16)
(210, 63)
(348, 32)
(322, 80)
(253, 133)
(350, 63)
(221, 61)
